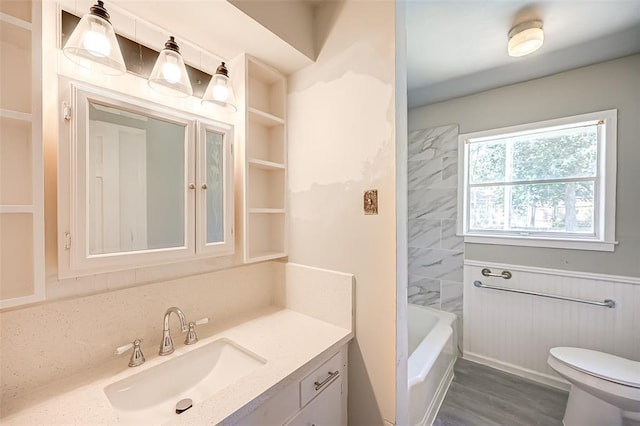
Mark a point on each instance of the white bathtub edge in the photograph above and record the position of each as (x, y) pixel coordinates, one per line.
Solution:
(545, 379)
(437, 339)
(438, 399)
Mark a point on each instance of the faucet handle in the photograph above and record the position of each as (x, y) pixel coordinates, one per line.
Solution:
(137, 357)
(192, 337)
(202, 321)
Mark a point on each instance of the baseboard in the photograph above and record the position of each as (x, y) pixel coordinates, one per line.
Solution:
(535, 376)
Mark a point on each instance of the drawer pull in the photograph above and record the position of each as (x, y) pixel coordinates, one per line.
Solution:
(330, 378)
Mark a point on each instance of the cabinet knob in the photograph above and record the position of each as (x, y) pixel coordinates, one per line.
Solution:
(204, 186)
(192, 186)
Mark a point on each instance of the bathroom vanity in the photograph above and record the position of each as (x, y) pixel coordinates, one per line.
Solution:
(302, 377)
(273, 352)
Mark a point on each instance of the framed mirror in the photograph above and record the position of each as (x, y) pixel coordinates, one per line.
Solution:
(140, 183)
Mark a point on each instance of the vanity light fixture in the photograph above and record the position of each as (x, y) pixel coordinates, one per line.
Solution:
(219, 91)
(169, 74)
(93, 43)
(525, 38)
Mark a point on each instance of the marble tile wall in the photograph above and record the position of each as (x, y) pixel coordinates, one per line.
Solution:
(435, 252)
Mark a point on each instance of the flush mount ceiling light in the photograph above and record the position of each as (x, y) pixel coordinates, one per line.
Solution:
(219, 91)
(93, 43)
(525, 38)
(169, 75)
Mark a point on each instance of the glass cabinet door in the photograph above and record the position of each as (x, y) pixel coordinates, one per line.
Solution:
(215, 200)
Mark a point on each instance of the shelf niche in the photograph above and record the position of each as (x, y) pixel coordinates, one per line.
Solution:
(21, 154)
(264, 163)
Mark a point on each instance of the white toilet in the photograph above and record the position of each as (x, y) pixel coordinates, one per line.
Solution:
(604, 388)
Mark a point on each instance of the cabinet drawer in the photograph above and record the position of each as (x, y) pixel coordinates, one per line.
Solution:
(321, 378)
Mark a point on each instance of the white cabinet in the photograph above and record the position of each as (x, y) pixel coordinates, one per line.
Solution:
(139, 183)
(322, 411)
(319, 398)
(262, 204)
(21, 155)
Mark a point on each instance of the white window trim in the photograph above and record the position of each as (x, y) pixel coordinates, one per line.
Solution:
(606, 192)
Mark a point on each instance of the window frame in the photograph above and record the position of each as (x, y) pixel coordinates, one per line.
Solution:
(604, 190)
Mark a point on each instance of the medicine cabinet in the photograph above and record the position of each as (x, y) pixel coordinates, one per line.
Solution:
(139, 183)
(21, 154)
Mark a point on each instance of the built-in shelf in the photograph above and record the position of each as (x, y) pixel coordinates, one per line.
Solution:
(266, 165)
(264, 118)
(266, 211)
(15, 115)
(6, 18)
(16, 209)
(265, 219)
(21, 154)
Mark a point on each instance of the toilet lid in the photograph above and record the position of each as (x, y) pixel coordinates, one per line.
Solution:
(599, 364)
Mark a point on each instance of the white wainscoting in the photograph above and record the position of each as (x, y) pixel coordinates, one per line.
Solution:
(514, 332)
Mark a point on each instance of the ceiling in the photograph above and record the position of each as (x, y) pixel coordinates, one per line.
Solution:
(222, 29)
(456, 48)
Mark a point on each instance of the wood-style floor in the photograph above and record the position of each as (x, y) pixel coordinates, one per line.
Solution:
(483, 396)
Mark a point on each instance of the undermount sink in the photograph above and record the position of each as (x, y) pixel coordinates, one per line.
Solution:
(150, 396)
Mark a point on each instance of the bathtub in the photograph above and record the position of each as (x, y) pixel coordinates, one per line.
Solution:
(432, 354)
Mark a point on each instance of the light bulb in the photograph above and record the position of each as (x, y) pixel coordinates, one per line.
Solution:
(171, 72)
(220, 90)
(95, 41)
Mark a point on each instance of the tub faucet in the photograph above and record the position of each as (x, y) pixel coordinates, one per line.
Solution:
(166, 346)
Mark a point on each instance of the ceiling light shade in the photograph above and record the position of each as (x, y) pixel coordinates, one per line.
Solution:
(169, 75)
(219, 91)
(93, 43)
(525, 38)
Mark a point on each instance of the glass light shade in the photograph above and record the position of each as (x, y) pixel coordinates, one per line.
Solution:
(93, 44)
(169, 74)
(525, 38)
(219, 91)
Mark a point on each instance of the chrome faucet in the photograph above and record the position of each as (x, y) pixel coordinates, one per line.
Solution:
(166, 346)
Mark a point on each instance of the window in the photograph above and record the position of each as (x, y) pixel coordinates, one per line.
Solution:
(546, 184)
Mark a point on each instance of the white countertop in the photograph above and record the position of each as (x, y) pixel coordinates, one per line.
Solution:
(290, 342)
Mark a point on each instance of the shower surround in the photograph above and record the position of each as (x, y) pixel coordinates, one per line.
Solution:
(435, 252)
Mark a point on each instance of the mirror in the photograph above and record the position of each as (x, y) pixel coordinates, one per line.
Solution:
(136, 181)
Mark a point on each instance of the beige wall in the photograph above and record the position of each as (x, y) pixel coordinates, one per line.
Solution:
(341, 143)
(608, 85)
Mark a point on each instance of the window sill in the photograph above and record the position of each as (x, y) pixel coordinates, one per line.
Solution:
(542, 242)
